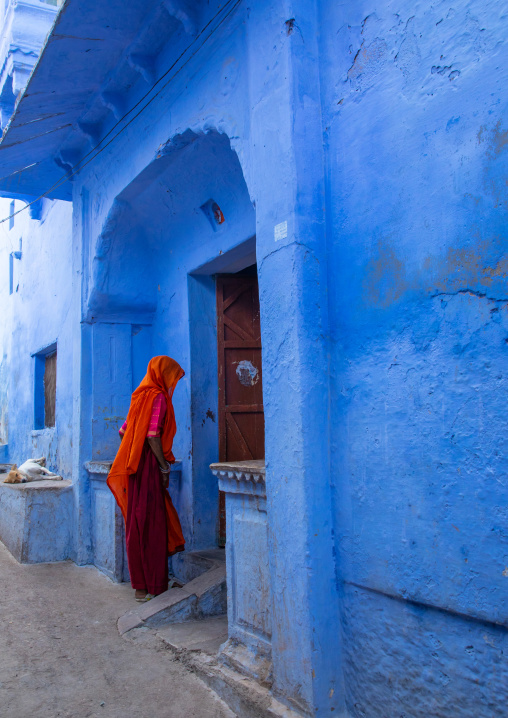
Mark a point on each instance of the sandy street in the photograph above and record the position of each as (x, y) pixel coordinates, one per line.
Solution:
(61, 655)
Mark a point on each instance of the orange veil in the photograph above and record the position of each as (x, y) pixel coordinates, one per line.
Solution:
(163, 374)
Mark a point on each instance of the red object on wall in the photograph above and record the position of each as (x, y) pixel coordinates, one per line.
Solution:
(217, 213)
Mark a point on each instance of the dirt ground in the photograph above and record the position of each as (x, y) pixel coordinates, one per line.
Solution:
(61, 655)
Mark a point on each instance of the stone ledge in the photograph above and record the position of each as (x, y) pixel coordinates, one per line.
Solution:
(45, 485)
(47, 431)
(36, 520)
(100, 469)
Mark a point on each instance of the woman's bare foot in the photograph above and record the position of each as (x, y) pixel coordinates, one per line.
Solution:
(140, 594)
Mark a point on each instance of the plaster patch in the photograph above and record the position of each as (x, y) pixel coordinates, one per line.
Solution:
(247, 373)
(408, 57)
(368, 59)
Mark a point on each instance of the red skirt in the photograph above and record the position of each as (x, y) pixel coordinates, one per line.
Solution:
(146, 529)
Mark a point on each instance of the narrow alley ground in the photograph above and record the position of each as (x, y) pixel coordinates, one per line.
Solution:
(61, 655)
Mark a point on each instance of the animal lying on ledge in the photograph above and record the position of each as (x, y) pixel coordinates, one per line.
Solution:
(31, 470)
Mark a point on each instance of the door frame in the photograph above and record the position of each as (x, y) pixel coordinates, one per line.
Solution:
(202, 495)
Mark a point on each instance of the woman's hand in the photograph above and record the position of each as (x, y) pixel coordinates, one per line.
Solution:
(164, 481)
(156, 446)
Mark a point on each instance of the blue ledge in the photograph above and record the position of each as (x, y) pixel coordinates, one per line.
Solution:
(36, 520)
(100, 469)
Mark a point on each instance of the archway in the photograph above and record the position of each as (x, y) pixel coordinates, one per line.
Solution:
(152, 291)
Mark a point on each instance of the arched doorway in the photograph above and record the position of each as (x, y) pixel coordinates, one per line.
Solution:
(152, 290)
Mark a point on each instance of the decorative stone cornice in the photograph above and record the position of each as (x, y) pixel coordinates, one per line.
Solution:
(241, 477)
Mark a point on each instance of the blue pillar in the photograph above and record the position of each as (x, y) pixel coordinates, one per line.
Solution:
(81, 383)
(287, 148)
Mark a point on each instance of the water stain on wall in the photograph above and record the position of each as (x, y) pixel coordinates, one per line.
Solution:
(389, 275)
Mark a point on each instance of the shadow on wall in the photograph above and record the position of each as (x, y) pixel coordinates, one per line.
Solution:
(169, 209)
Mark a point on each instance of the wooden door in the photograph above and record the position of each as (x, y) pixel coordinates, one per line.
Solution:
(241, 418)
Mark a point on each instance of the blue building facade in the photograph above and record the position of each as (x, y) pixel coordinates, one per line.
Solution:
(358, 155)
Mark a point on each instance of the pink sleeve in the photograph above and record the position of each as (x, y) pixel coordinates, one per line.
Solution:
(123, 428)
(158, 415)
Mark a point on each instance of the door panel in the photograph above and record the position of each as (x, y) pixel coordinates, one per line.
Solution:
(245, 437)
(243, 377)
(241, 417)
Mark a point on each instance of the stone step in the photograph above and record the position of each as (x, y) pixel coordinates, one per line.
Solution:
(191, 564)
(200, 598)
(206, 635)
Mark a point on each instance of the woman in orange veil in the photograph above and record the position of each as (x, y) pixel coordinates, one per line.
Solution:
(139, 479)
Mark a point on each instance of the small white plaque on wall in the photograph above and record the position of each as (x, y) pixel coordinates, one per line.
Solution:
(280, 231)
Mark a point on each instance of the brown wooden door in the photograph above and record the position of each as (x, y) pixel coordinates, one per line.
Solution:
(241, 418)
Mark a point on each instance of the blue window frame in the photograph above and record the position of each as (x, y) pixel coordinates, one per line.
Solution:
(45, 387)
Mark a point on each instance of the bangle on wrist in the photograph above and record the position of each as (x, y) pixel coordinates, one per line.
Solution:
(167, 469)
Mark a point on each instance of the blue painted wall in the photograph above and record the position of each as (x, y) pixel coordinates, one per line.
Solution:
(415, 124)
(36, 524)
(379, 134)
(36, 315)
